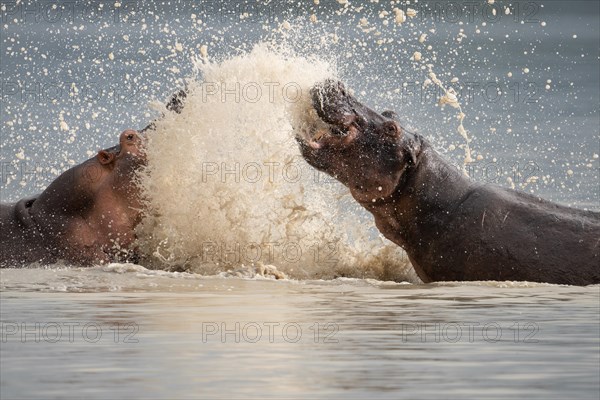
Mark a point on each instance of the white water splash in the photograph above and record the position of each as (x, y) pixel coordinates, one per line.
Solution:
(226, 185)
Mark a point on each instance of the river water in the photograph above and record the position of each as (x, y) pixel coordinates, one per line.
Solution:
(123, 331)
(351, 319)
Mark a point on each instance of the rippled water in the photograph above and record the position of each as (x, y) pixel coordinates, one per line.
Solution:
(123, 331)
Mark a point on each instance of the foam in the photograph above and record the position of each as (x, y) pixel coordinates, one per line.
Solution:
(210, 222)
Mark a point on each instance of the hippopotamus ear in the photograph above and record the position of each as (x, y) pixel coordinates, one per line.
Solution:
(105, 157)
(177, 101)
(391, 115)
(411, 148)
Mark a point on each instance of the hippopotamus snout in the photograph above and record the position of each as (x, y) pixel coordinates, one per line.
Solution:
(132, 142)
(130, 137)
(338, 108)
(333, 104)
(363, 149)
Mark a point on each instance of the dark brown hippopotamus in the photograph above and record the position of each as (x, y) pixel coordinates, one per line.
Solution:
(87, 215)
(452, 228)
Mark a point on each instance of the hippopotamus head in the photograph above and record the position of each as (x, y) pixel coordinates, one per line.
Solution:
(366, 151)
(86, 215)
(113, 199)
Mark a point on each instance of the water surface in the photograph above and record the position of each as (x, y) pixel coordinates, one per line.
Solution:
(128, 332)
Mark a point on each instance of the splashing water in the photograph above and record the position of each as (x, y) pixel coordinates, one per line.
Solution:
(222, 185)
(225, 184)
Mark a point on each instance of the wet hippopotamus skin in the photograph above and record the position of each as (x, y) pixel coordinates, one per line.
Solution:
(85, 216)
(452, 228)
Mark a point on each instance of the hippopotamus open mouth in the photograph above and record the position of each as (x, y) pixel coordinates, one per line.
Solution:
(342, 113)
(365, 150)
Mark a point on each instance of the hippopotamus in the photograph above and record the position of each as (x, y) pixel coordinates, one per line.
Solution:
(85, 216)
(452, 227)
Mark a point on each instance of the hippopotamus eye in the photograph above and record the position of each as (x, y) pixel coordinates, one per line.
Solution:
(130, 137)
(390, 128)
